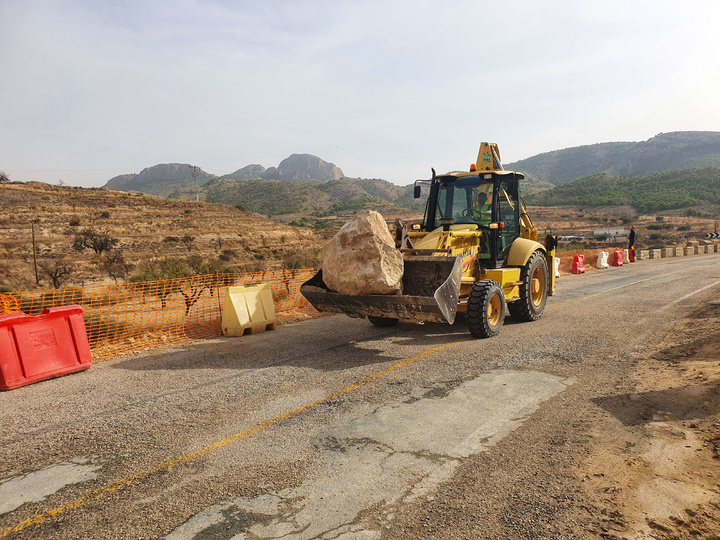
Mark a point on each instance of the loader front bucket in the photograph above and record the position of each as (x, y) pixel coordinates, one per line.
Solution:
(431, 288)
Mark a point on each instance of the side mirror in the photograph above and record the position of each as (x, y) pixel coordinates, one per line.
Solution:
(416, 192)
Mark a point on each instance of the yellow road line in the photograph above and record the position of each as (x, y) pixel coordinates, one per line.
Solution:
(128, 481)
(125, 482)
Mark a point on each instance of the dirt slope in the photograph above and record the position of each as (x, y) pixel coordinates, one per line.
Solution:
(146, 227)
(659, 451)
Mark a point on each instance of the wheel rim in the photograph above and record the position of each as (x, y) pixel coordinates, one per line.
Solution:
(494, 310)
(536, 289)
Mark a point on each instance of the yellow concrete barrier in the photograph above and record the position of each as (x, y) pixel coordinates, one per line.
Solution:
(248, 310)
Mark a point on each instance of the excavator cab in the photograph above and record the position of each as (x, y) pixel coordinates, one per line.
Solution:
(487, 201)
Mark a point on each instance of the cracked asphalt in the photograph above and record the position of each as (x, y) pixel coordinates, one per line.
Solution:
(332, 428)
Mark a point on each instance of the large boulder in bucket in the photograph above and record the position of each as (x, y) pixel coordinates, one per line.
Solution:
(362, 259)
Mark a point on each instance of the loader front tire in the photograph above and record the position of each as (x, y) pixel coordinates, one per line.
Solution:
(533, 290)
(382, 322)
(485, 309)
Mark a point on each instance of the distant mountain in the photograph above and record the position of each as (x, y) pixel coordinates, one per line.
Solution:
(297, 167)
(159, 180)
(170, 178)
(250, 172)
(305, 184)
(660, 191)
(664, 152)
(560, 166)
(303, 167)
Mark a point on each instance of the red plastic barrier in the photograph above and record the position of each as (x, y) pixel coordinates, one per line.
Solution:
(40, 347)
(578, 265)
(631, 254)
(617, 258)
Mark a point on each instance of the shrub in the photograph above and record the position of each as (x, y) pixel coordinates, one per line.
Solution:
(301, 259)
(216, 266)
(227, 255)
(169, 268)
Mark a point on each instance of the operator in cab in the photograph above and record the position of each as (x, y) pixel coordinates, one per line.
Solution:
(482, 206)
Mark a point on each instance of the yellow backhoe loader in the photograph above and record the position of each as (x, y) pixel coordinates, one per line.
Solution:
(476, 251)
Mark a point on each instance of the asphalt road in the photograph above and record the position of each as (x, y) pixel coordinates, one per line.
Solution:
(332, 428)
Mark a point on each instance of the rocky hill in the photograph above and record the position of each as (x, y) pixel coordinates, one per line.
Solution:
(168, 178)
(303, 167)
(297, 167)
(159, 180)
(249, 172)
(697, 190)
(664, 152)
(288, 201)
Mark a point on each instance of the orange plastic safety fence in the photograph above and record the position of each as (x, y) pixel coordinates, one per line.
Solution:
(136, 316)
(8, 304)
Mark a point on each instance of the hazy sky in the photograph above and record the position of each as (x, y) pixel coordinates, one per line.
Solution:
(384, 89)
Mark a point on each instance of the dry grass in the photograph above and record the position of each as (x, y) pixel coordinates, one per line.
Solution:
(221, 234)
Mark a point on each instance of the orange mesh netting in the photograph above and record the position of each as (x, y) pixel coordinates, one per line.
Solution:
(135, 316)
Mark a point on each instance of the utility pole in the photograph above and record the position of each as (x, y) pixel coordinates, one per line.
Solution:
(195, 170)
(37, 279)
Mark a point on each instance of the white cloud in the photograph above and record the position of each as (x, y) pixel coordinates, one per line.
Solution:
(382, 89)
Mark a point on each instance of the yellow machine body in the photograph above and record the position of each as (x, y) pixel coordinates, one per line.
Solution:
(476, 230)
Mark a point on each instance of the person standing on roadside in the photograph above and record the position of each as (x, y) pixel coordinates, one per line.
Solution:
(631, 238)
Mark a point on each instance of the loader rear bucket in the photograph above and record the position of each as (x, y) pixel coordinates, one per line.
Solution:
(431, 287)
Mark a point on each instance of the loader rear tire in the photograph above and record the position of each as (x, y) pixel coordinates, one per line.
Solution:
(485, 309)
(533, 290)
(382, 322)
